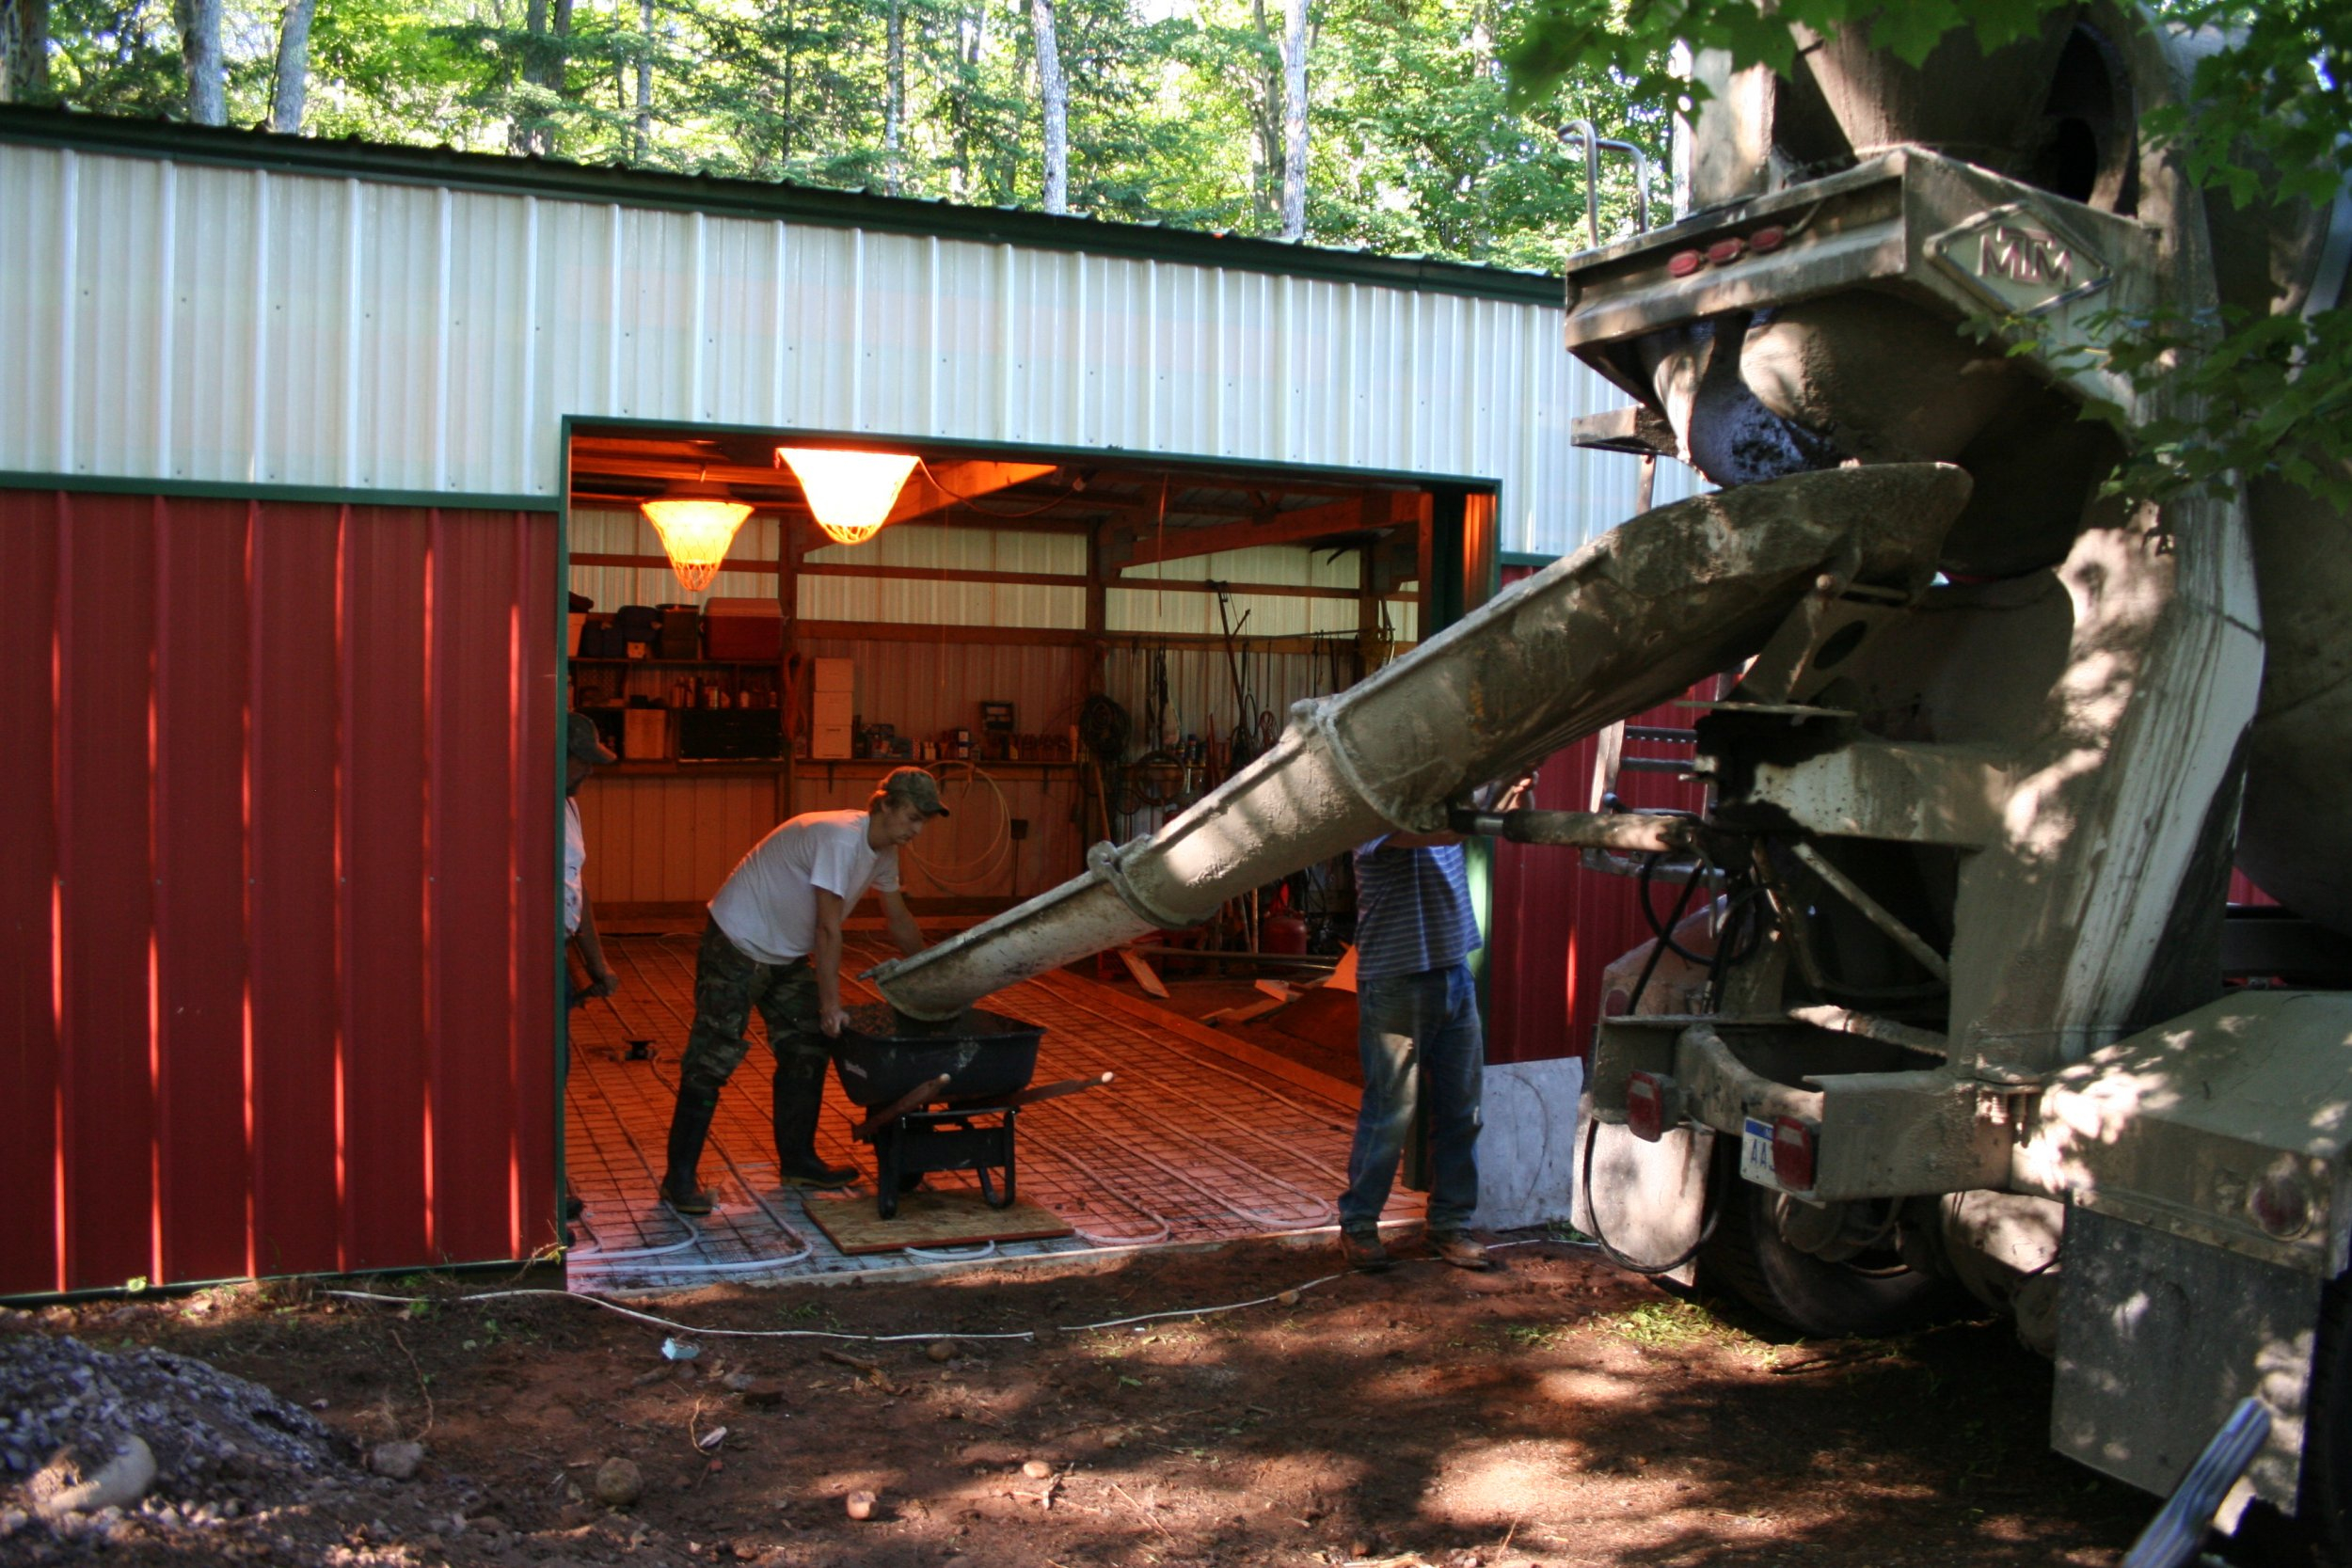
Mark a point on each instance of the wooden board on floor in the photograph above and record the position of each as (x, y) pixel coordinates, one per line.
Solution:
(955, 1218)
(1145, 975)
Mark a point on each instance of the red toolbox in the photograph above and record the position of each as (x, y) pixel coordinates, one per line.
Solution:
(743, 632)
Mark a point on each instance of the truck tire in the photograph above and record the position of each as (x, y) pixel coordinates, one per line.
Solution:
(1872, 1293)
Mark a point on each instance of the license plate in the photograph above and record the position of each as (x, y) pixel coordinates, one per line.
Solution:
(1756, 1154)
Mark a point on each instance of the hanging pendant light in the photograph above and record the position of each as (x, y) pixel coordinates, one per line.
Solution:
(697, 523)
(850, 492)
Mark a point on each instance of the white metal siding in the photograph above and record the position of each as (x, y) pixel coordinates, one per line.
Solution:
(179, 321)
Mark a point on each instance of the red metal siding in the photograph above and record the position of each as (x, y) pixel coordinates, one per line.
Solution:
(277, 901)
(1554, 925)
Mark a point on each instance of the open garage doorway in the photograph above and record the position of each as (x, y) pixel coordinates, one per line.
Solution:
(1077, 645)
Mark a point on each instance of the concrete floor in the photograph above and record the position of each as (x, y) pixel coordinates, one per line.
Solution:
(1201, 1137)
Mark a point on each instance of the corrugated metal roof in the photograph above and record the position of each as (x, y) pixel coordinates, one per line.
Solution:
(188, 311)
(859, 209)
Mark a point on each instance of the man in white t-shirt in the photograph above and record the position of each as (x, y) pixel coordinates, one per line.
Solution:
(584, 752)
(774, 943)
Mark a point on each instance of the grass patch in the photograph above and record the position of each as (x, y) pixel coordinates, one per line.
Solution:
(1672, 1324)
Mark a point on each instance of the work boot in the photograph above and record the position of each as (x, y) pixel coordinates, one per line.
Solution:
(796, 1099)
(1362, 1250)
(1453, 1246)
(690, 1127)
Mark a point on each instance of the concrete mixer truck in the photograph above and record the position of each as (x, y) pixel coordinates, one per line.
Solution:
(1953, 1009)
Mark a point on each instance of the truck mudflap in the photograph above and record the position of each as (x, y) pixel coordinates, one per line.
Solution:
(2204, 1162)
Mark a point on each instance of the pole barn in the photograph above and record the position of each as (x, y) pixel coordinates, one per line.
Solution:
(283, 445)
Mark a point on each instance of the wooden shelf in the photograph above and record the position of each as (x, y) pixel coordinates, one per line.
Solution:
(670, 767)
(829, 764)
(704, 663)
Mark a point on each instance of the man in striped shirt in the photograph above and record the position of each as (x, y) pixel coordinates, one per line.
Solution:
(1417, 1011)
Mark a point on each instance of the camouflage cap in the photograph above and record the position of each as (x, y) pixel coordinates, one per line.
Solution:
(582, 740)
(916, 787)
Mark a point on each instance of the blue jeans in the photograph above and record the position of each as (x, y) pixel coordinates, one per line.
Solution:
(1427, 1021)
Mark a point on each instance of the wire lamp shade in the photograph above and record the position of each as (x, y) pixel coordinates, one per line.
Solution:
(696, 531)
(850, 492)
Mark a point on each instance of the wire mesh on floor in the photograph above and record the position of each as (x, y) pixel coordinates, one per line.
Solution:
(1192, 1142)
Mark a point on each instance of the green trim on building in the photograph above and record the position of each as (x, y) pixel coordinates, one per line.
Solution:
(496, 174)
(1099, 457)
(1524, 557)
(221, 489)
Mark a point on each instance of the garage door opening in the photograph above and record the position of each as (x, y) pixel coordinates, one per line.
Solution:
(1077, 645)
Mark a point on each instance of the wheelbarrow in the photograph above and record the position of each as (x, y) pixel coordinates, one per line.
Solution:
(945, 1099)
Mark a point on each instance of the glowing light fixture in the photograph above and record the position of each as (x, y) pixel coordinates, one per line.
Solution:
(851, 491)
(696, 531)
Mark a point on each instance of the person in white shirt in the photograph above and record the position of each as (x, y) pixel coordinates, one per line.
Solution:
(774, 943)
(584, 752)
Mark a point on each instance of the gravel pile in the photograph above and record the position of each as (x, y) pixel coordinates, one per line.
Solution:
(203, 1427)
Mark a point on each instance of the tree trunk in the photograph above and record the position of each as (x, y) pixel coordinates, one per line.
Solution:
(971, 36)
(1266, 114)
(25, 52)
(521, 136)
(894, 96)
(1295, 123)
(645, 80)
(200, 47)
(293, 82)
(791, 56)
(559, 68)
(1054, 91)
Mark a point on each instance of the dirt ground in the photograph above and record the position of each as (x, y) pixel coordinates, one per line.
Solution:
(1554, 1412)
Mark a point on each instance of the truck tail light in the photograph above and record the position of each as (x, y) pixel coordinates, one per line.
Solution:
(1793, 1153)
(1648, 1105)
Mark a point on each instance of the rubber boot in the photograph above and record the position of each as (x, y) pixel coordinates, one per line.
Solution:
(797, 1097)
(690, 1126)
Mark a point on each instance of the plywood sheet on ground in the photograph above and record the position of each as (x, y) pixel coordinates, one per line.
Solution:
(928, 1219)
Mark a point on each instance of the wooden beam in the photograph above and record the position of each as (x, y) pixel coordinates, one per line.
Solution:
(1270, 590)
(661, 563)
(717, 471)
(941, 574)
(897, 631)
(1053, 636)
(1356, 515)
(956, 482)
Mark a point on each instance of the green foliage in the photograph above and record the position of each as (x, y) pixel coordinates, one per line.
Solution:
(1175, 112)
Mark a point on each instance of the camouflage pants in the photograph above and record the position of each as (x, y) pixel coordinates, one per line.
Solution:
(728, 986)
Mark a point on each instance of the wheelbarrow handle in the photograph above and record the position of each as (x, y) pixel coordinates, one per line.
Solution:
(1054, 1091)
(914, 1099)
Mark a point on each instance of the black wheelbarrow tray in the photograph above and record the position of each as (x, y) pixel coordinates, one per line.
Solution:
(979, 1066)
(981, 1055)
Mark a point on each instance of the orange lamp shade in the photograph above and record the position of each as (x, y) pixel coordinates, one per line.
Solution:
(850, 492)
(696, 533)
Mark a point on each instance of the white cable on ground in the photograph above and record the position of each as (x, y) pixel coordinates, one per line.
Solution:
(597, 1253)
(1166, 1231)
(954, 1255)
(1205, 1312)
(665, 1323)
(880, 1339)
(735, 1265)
